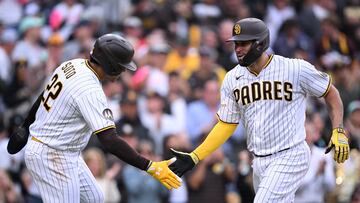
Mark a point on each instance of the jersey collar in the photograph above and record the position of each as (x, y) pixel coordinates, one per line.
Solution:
(265, 66)
(88, 65)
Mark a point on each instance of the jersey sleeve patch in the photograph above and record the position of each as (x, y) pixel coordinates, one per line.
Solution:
(107, 113)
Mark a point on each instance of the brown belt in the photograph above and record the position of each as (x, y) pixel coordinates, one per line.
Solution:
(271, 154)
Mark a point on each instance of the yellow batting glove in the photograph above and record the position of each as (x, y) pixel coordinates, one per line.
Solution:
(340, 142)
(161, 172)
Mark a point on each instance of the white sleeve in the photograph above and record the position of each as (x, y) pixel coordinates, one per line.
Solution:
(312, 81)
(229, 110)
(94, 109)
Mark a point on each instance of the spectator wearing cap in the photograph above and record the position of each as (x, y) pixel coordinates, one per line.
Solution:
(55, 46)
(29, 47)
(156, 79)
(130, 120)
(134, 32)
(208, 70)
(157, 120)
(182, 59)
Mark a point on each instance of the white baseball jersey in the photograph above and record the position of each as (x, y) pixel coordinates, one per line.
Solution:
(272, 104)
(72, 108)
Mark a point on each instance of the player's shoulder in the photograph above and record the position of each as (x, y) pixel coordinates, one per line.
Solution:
(231, 74)
(296, 62)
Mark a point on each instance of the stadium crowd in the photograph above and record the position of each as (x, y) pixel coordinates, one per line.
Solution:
(172, 99)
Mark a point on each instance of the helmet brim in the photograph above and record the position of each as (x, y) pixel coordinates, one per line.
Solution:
(130, 66)
(241, 38)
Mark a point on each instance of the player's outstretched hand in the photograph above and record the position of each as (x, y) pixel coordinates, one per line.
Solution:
(340, 142)
(184, 162)
(161, 172)
(18, 140)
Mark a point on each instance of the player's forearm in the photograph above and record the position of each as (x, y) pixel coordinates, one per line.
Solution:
(217, 136)
(335, 107)
(121, 149)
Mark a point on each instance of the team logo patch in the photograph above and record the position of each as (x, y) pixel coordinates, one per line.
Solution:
(107, 113)
(237, 29)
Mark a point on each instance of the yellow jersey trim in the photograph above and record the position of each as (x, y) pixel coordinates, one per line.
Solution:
(328, 87)
(88, 65)
(265, 66)
(103, 129)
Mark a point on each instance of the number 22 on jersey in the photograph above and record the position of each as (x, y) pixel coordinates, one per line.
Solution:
(53, 89)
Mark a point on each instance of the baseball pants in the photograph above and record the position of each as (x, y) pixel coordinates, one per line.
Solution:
(278, 176)
(61, 176)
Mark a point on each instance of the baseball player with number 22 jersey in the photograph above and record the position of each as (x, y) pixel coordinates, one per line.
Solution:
(267, 93)
(72, 107)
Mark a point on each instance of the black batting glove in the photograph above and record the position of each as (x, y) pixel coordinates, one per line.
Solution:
(184, 162)
(18, 140)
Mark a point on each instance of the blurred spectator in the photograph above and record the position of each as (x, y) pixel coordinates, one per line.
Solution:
(183, 59)
(95, 160)
(209, 38)
(233, 9)
(70, 13)
(129, 121)
(292, 43)
(142, 188)
(355, 196)
(8, 192)
(207, 181)
(55, 46)
(333, 40)
(178, 142)
(320, 178)
(244, 181)
(347, 177)
(208, 70)
(345, 80)
(178, 91)
(29, 48)
(10, 12)
(352, 124)
(277, 13)
(227, 58)
(157, 120)
(31, 192)
(207, 11)
(156, 79)
(201, 114)
(133, 31)
(17, 95)
(82, 39)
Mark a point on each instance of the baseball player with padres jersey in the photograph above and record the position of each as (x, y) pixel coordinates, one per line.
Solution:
(267, 93)
(73, 106)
